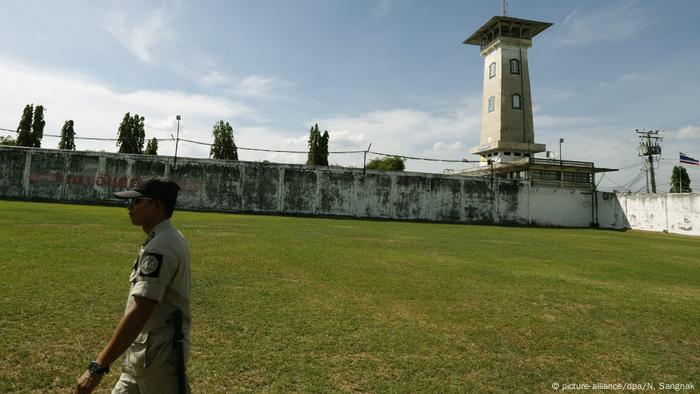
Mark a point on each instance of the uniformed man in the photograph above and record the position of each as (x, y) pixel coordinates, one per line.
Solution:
(160, 286)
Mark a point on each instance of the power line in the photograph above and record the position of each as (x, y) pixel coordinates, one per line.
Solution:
(633, 182)
(74, 137)
(640, 189)
(629, 166)
(268, 150)
(601, 180)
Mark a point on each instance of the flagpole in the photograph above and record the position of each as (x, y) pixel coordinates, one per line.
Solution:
(685, 159)
(680, 178)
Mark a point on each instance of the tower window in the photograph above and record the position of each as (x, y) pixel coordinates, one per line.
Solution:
(517, 101)
(514, 66)
(492, 70)
(492, 103)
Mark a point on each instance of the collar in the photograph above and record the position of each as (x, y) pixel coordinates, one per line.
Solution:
(164, 225)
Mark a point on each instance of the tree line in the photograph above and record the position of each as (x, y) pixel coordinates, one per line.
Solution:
(131, 136)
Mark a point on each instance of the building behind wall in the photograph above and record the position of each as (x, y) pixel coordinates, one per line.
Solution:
(507, 146)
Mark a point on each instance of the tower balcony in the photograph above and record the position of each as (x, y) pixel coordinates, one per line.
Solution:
(503, 26)
(508, 146)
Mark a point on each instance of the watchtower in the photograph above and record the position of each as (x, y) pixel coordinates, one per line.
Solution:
(506, 117)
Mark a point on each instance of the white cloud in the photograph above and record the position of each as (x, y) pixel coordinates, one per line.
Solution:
(251, 86)
(627, 78)
(382, 8)
(635, 77)
(296, 141)
(690, 132)
(561, 122)
(407, 132)
(97, 109)
(444, 147)
(346, 140)
(139, 35)
(216, 78)
(614, 23)
(259, 86)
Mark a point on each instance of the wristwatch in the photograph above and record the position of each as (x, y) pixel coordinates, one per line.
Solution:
(97, 369)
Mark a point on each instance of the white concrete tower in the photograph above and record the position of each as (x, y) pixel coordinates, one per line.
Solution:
(507, 132)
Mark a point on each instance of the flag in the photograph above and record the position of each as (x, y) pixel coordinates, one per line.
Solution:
(689, 160)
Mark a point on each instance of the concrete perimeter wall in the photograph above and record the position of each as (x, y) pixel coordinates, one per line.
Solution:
(667, 212)
(92, 177)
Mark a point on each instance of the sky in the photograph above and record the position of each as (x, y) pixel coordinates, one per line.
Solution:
(393, 73)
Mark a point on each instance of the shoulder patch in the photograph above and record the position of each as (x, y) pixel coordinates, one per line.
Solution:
(150, 264)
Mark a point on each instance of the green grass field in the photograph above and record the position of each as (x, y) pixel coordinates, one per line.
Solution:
(322, 305)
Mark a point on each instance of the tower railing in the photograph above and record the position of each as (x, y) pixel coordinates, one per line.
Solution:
(568, 163)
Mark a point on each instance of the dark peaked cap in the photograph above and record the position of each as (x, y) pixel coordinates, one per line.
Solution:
(156, 187)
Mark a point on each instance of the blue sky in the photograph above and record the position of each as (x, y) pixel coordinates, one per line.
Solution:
(393, 73)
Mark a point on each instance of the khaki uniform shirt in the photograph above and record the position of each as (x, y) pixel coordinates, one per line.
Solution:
(161, 273)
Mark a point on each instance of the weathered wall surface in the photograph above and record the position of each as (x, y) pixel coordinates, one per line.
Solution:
(92, 177)
(565, 207)
(669, 212)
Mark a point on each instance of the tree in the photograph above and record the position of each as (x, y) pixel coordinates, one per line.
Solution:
(7, 140)
(318, 147)
(392, 163)
(323, 149)
(38, 126)
(679, 172)
(67, 136)
(24, 133)
(314, 136)
(131, 134)
(152, 147)
(224, 148)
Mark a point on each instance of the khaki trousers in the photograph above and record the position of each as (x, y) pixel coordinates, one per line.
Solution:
(160, 380)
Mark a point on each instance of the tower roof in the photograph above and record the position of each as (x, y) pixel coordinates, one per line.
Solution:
(505, 26)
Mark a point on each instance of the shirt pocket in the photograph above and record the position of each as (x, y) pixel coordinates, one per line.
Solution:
(136, 358)
(160, 344)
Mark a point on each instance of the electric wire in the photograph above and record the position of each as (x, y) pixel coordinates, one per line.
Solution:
(270, 150)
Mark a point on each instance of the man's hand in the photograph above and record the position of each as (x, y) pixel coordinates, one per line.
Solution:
(87, 382)
(128, 329)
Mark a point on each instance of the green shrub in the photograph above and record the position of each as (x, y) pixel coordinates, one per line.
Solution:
(392, 163)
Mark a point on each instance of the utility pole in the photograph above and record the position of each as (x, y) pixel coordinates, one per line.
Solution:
(649, 147)
(364, 161)
(177, 140)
